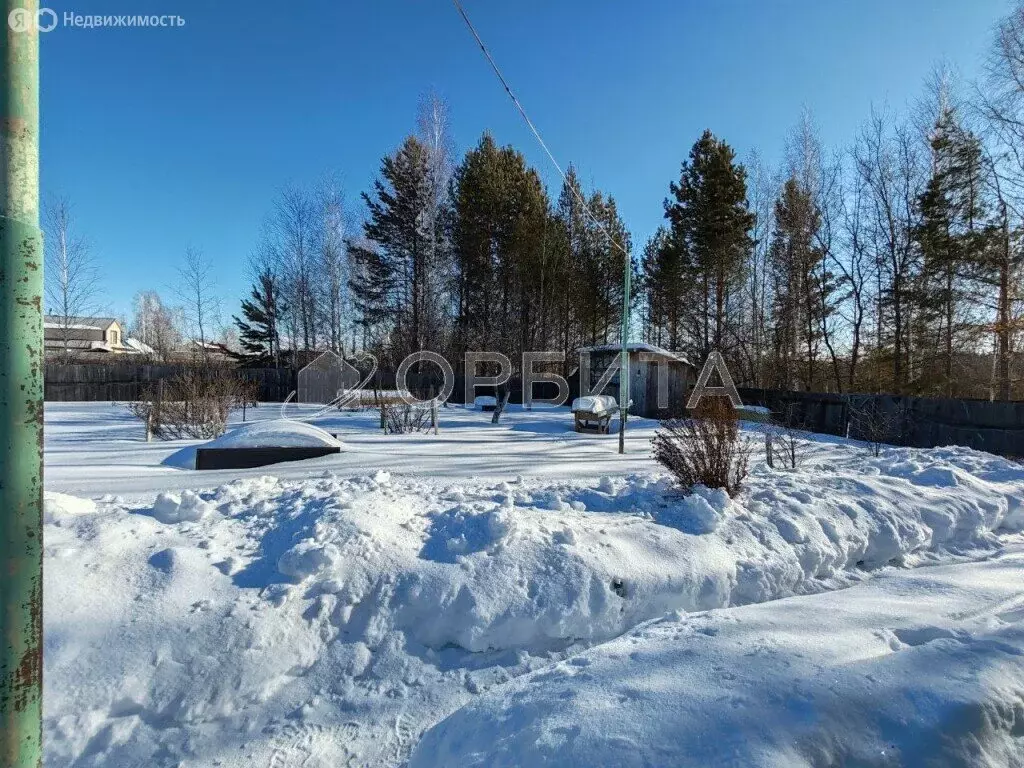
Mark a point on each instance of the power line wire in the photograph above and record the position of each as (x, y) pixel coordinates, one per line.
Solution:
(536, 133)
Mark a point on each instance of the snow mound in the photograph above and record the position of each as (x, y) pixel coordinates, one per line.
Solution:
(594, 404)
(539, 566)
(700, 512)
(485, 401)
(59, 508)
(188, 507)
(278, 433)
(331, 620)
(916, 669)
(273, 433)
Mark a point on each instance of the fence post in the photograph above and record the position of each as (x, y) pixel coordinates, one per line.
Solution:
(154, 410)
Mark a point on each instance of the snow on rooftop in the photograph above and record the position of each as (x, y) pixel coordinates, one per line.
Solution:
(636, 346)
(71, 327)
(139, 346)
(81, 323)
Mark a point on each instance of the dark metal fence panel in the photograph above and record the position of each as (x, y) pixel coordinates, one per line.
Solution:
(918, 422)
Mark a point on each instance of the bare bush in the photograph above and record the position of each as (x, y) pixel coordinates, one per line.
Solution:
(782, 443)
(195, 404)
(403, 419)
(706, 449)
(875, 423)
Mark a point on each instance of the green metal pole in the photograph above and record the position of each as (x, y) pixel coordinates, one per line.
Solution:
(21, 393)
(624, 370)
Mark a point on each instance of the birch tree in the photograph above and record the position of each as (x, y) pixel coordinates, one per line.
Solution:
(196, 292)
(72, 274)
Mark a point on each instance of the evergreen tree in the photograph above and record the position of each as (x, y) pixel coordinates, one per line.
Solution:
(710, 235)
(802, 285)
(953, 235)
(259, 335)
(501, 225)
(389, 284)
(572, 222)
(664, 287)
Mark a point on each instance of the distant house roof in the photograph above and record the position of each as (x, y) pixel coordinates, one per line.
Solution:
(637, 346)
(139, 347)
(81, 334)
(213, 347)
(80, 345)
(78, 323)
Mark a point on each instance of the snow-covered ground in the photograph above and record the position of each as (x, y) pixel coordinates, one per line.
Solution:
(556, 602)
(97, 448)
(920, 668)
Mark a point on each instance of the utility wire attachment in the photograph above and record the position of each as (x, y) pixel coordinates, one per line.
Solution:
(536, 133)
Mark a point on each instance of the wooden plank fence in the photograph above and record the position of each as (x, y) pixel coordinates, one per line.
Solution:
(909, 421)
(127, 382)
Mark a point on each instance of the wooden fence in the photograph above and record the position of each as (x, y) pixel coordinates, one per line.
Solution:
(918, 422)
(129, 381)
(910, 421)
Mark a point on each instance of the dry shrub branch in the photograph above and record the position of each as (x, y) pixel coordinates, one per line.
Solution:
(706, 449)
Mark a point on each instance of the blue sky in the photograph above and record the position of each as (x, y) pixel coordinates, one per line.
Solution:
(165, 138)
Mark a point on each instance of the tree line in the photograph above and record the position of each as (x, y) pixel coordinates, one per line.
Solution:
(890, 265)
(451, 257)
(893, 265)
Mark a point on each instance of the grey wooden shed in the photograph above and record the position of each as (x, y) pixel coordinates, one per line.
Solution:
(650, 367)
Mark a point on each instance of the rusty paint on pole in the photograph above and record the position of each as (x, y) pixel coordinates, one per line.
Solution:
(21, 392)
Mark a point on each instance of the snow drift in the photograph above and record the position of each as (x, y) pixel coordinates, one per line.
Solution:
(922, 668)
(272, 433)
(329, 620)
(526, 566)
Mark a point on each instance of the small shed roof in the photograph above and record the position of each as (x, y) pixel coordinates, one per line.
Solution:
(637, 346)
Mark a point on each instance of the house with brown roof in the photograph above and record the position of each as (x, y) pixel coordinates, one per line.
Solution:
(83, 336)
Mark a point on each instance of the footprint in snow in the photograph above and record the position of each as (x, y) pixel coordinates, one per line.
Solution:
(315, 746)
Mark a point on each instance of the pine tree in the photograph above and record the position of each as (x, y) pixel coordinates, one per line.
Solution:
(664, 287)
(572, 222)
(259, 334)
(390, 284)
(710, 234)
(953, 234)
(500, 236)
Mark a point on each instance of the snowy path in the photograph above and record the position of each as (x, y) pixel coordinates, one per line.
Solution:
(328, 613)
